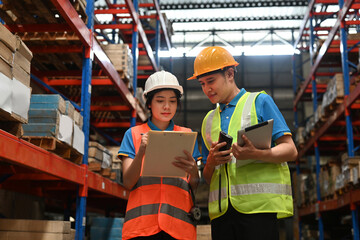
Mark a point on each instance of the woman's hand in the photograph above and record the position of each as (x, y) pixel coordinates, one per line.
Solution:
(144, 142)
(187, 163)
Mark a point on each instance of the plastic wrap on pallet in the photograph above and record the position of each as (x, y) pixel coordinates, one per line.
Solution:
(20, 99)
(78, 139)
(107, 159)
(65, 129)
(5, 93)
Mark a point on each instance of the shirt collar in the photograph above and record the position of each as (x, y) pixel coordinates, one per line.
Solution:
(155, 128)
(234, 101)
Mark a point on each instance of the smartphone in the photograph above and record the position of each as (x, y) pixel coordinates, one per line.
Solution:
(224, 137)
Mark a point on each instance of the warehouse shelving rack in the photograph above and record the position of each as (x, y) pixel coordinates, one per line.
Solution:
(22, 162)
(351, 198)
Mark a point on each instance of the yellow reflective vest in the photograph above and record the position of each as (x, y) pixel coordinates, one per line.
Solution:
(251, 186)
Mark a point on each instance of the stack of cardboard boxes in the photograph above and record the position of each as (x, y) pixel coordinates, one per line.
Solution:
(121, 57)
(15, 89)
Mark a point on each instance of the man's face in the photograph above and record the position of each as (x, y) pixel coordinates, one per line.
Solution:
(216, 87)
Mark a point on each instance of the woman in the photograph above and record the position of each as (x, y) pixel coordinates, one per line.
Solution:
(158, 207)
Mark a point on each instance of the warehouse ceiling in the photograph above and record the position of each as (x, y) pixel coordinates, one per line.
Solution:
(232, 23)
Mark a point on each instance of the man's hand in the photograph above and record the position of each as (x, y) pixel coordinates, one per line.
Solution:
(217, 157)
(247, 151)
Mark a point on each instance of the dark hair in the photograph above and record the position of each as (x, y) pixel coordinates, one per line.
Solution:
(150, 96)
(222, 71)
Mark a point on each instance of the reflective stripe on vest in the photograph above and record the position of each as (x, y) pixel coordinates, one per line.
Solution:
(241, 181)
(177, 182)
(151, 209)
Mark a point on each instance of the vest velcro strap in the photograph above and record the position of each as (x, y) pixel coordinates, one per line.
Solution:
(176, 213)
(142, 211)
(259, 188)
(177, 182)
(214, 195)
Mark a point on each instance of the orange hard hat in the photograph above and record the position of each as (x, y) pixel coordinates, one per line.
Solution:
(211, 59)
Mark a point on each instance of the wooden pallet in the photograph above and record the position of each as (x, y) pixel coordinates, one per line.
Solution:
(56, 146)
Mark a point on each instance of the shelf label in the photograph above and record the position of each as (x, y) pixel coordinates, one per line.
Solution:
(84, 222)
(103, 185)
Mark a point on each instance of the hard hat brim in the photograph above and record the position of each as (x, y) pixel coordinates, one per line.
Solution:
(179, 88)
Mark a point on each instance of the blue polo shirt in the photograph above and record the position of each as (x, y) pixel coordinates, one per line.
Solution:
(127, 147)
(265, 109)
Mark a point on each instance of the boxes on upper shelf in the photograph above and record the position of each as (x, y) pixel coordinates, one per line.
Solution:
(99, 157)
(121, 57)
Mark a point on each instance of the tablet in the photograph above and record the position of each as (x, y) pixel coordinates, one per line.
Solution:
(161, 150)
(259, 134)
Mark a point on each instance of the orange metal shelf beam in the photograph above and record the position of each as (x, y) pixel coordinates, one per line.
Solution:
(353, 196)
(23, 153)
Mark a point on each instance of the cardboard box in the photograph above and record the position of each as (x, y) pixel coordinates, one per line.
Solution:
(23, 49)
(22, 61)
(6, 69)
(8, 38)
(6, 54)
(21, 75)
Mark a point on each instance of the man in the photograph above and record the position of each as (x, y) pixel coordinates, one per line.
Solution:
(246, 197)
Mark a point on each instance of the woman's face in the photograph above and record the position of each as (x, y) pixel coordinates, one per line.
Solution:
(163, 106)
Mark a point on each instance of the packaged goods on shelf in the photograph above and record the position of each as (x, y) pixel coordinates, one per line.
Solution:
(14, 100)
(335, 171)
(99, 158)
(106, 228)
(51, 129)
(324, 182)
(78, 139)
(12, 229)
(309, 126)
(78, 118)
(70, 109)
(350, 168)
(8, 38)
(334, 92)
(299, 137)
(48, 101)
(121, 57)
(116, 165)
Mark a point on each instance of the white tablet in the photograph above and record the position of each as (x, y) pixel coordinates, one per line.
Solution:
(259, 134)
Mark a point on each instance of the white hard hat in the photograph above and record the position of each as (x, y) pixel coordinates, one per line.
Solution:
(161, 80)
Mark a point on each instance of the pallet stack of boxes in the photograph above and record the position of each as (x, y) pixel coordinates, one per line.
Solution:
(12, 229)
(100, 159)
(15, 89)
(50, 116)
(116, 165)
(121, 57)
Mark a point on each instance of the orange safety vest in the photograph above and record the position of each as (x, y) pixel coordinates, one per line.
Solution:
(158, 203)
